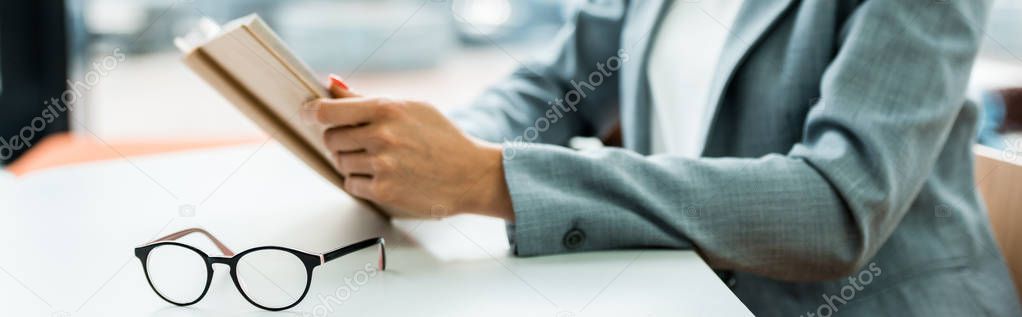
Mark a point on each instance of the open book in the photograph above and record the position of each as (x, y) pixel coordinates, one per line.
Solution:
(250, 66)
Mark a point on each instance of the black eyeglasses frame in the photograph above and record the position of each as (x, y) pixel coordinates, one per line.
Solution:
(310, 260)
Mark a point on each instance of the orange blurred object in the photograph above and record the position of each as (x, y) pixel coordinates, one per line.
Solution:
(68, 149)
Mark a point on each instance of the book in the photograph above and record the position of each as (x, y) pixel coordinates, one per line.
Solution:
(250, 66)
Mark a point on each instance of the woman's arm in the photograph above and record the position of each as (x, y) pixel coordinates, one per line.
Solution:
(817, 212)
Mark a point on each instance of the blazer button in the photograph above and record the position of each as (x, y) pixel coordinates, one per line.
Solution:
(574, 239)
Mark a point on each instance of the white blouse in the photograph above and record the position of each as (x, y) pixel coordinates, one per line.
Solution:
(681, 70)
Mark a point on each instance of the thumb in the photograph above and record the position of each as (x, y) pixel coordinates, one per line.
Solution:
(339, 89)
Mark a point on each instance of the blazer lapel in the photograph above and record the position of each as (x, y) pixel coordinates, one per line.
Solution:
(754, 19)
(636, 38)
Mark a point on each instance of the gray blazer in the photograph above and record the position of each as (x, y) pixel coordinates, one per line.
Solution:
(837, 173)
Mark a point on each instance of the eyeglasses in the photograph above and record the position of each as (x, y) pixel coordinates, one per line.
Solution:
(270, 277)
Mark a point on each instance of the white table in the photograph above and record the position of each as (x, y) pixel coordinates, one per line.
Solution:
(68, 234)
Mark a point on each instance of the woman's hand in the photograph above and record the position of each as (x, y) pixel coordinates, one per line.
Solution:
(407, 155)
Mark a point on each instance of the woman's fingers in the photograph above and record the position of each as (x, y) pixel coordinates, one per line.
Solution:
(355, 164)
(339, 92)
(339, 112)
(359, 186)
(339, 89)
(346, 139)
(368, 137)
(351, 111)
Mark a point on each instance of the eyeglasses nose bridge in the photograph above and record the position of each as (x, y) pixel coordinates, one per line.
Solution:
(220, 260)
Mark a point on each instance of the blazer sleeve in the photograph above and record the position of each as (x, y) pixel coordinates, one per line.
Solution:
(820, 211)
(556, 95)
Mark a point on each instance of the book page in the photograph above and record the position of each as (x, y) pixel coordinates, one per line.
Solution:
(252, 65)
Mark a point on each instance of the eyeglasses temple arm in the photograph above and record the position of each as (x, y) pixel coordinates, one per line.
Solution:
(360, 246)
(177, 235)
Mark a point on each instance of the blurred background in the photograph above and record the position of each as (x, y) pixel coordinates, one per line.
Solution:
(145, 100)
